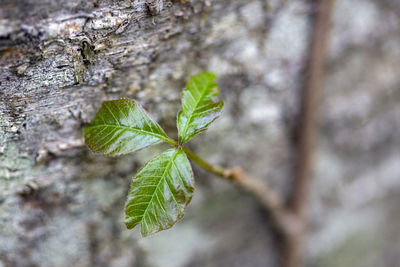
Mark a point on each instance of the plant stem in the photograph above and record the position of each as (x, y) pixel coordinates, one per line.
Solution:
(270, 200)
(307, 131)
(217, 170)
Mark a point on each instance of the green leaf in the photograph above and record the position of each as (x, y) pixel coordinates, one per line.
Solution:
(198, 108)
(159, 192)
(121, 127)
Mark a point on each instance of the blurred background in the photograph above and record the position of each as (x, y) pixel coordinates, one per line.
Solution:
(61, 205)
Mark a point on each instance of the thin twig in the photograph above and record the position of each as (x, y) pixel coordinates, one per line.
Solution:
(313, 81)
(270, 200)
(282, 220)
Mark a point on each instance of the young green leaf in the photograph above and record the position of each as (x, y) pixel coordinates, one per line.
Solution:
(198, 108)
(159, 192)
(121, 127)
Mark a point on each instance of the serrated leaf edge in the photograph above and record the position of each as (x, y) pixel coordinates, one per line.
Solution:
(180, 215)
(218, 113)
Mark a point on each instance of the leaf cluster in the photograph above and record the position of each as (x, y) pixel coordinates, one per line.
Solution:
(164, 186)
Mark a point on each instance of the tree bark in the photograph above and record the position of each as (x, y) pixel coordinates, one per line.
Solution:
(60, 205)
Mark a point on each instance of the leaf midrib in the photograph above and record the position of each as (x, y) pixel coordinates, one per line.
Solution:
(165, 138)
(159, 182)
(191, 114)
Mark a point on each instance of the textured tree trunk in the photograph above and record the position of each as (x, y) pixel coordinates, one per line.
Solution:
(61, 205)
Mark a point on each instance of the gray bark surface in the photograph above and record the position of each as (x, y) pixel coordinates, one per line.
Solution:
(60, 204)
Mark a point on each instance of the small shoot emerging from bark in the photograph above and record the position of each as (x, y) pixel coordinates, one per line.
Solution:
(164, 186)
